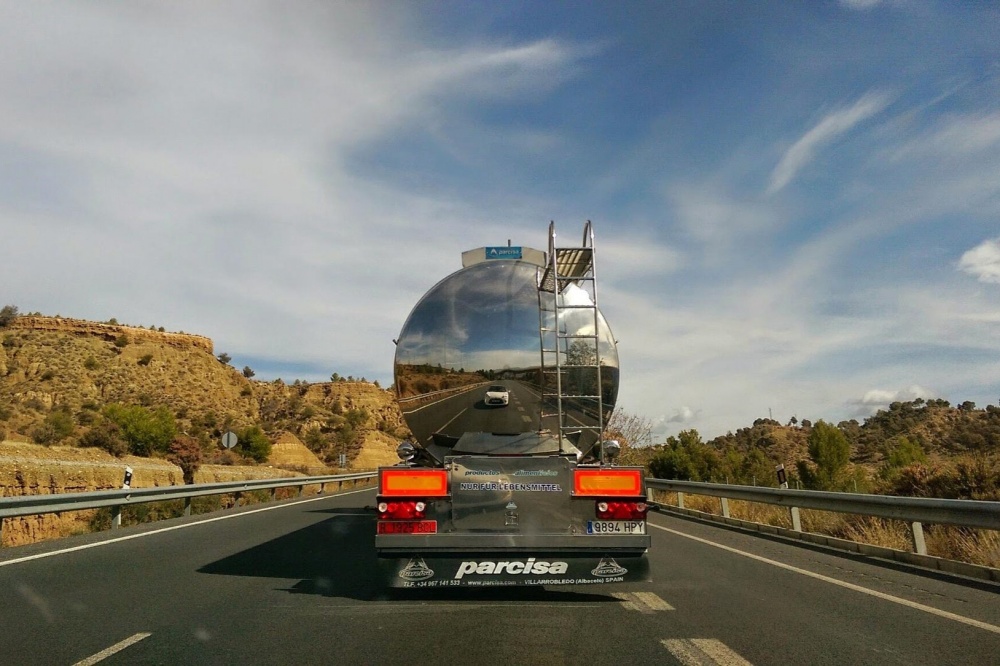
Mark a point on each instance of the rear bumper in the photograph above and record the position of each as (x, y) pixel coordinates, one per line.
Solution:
(511, 569)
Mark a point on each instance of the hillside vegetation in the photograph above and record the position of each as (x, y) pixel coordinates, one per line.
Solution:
(921, 448)
(145, 391)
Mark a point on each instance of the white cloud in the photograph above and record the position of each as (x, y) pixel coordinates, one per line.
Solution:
(877, 399)
(830, 127)
(683, 415)
(983, 261)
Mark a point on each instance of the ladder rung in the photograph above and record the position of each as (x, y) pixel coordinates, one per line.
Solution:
(564, 336)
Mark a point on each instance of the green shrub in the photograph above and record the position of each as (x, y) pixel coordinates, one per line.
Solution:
(145, 431)
(47, 375)
(90, 363)
(107, 436)
(146, 358)
(121, 341)
(253, 443)
(44, 434)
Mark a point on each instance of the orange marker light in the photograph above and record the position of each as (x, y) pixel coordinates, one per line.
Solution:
(607, 482)
(413, 482)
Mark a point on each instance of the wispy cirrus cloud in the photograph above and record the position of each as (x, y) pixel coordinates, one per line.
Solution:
(826, 130)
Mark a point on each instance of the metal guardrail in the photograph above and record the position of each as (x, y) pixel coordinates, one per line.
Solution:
(31, 505)
(914, 510)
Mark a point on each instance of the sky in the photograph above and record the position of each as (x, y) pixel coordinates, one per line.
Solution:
(796, 204)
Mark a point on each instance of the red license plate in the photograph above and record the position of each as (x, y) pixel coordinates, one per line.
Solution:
(407, 527)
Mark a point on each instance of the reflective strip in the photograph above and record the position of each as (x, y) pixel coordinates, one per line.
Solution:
(607, 482)
(413, 482)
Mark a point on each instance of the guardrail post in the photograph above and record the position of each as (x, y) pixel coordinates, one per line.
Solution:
(236, 498)
(649, 495)
(187, 506)
(274, 494)
(322, 488)
(116, 517)
(680, 500)
(917, 532)
(725, 506)
(302, 489)
(796, 520)
(1, 532)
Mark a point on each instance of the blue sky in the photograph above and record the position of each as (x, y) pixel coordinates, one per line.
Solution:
(797, 205)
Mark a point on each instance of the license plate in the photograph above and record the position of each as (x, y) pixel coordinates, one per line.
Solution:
(407, 527)
(616, 527)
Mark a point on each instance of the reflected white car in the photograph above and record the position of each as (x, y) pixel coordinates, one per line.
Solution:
(497, 395)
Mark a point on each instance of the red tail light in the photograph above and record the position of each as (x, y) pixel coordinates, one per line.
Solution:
(401, 510)
(621, 510)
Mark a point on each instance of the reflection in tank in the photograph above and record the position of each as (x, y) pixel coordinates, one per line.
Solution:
(480, 328)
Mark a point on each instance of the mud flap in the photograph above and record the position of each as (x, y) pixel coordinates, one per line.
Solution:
(497, 570)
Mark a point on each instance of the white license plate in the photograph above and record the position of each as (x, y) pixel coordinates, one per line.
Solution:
(616, 527)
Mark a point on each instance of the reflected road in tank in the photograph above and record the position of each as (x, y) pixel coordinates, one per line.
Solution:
(466, 411)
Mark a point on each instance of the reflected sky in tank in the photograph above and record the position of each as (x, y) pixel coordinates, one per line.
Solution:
(485, 317)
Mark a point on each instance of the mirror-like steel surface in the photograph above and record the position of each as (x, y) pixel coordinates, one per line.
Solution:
(475, 335)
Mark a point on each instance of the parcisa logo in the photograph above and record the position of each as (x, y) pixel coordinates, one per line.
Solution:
(516, 568)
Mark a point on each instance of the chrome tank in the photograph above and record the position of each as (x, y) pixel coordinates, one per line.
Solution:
(480, 327)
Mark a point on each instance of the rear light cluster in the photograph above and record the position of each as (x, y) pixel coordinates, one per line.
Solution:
(401, 509)
(621, 510)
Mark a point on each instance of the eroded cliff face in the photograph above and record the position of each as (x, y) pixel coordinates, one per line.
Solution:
(111, 332)
(29, 469)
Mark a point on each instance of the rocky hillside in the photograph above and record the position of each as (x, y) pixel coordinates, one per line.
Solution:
(55, 367)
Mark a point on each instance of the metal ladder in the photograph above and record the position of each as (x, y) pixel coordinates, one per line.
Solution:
(570, 359)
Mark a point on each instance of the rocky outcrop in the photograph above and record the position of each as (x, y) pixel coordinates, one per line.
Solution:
(112, 332)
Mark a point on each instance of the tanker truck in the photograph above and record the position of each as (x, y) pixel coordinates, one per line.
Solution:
(506, 373)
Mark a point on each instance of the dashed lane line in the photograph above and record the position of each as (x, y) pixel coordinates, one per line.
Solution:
(643, 602)
(117, 647)
(850, 586)
(703, 652)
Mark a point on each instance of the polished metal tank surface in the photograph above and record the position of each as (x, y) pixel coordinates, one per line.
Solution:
(479, 328)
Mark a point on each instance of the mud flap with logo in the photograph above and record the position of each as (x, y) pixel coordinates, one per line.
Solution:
(499, 571)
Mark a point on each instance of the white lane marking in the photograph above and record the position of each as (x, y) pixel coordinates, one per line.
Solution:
(850, 586)
(175, 527)
(441, 429)
(643, 602)
(117, 647)
(703, 652)
(654, 601)
(438, 402)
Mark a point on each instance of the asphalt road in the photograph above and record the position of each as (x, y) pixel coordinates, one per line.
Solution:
(293, 584)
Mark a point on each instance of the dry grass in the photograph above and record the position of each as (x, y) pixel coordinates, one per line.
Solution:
(980, 547)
